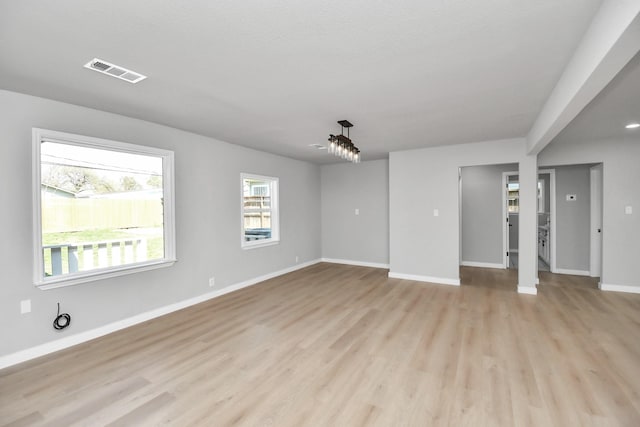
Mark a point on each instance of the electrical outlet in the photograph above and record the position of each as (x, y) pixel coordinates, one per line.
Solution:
(571, 197)
(436, 212)
(357, 211)
(628, 210)
(212, 282)
(25, 306)
(297, 258)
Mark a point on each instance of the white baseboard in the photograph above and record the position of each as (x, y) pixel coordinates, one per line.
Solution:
(69, 341)
(620, 288)
(482, 264)
(358, 263)
(572, 272)
(529, 290)
(418, 278)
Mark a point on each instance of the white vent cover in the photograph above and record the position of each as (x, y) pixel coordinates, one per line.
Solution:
(318, 146)
(112, 70)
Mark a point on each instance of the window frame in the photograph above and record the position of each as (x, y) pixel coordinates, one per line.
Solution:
(274, 189)
(39, 278)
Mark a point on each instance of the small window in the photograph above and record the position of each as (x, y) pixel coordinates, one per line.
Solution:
(101, 208)
(259, 211)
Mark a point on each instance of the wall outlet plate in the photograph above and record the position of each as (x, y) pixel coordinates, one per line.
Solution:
(571, 197)
(212, 282)
(25, 306)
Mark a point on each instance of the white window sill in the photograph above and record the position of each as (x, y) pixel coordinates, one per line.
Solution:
(254, 245)
(99, 274)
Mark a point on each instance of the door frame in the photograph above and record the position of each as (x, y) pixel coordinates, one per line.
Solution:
(505, 217)
(596, 181)
(552, 216)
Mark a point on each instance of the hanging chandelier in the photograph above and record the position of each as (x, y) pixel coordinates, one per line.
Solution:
(341, 145)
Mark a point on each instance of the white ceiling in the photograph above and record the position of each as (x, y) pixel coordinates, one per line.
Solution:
(277, 75)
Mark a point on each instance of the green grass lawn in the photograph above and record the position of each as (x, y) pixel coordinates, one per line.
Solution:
(153, 237)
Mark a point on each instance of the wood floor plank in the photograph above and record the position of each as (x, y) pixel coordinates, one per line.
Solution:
(344, 345)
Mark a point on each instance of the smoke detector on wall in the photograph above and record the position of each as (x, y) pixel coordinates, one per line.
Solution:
(112, 70)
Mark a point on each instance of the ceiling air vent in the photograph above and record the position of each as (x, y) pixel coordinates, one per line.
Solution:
(112, 70)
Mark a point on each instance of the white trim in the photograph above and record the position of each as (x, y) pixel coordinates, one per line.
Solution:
(352, 262)
(105, 273)
(528, 290)
(537, 281)
(620, 288)
(482, 264)
(429, 279)
(69, 341)
(572, 272)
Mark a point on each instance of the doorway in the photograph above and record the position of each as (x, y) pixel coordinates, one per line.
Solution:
(595, 186)
(545, 216)
(510, 212)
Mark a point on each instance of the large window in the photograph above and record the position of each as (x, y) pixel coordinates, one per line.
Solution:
(101, 208)
(259, 210)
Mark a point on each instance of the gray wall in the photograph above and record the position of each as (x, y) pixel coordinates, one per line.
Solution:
(621, 176)
(572, 218)
(422, 244)
(482, 222)
(344, 188)
(207, 221)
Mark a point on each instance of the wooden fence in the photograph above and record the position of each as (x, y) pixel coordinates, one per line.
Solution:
(60, 215)
(256, 212)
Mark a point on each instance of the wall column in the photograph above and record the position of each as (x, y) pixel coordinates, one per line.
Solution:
(528, 227)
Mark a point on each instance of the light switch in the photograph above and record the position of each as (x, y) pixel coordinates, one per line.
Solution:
(436, 212)
(628, 210)
(357, 211)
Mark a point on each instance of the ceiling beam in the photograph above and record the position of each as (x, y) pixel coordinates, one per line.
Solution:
(612, 39)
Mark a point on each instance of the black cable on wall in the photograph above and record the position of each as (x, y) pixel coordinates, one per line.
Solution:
(62, 320)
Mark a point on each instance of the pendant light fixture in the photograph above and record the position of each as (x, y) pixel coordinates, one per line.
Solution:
(341, 145)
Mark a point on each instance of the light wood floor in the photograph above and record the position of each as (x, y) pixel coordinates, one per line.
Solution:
(339, 345)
